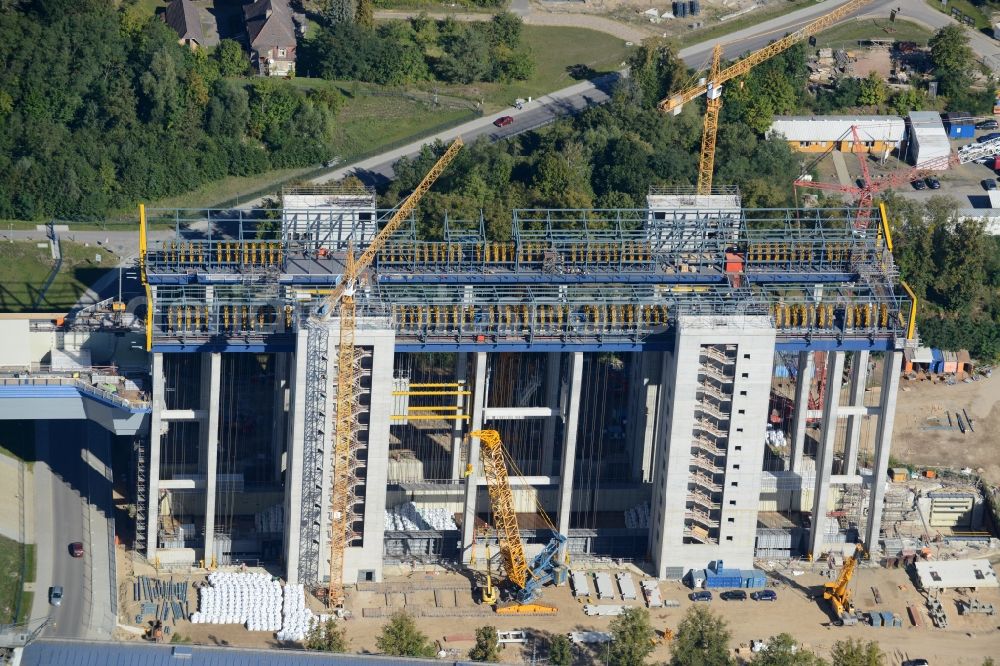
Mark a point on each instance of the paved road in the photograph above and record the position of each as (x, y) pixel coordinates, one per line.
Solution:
(73, 503)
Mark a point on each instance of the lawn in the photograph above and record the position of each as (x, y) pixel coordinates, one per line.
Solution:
(12, 559)
(972, 11)
(25, 267)
(717, 30)
(849, 34)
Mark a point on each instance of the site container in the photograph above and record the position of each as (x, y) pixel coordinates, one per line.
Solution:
(876, 618)
(887, 619)
(694, 7)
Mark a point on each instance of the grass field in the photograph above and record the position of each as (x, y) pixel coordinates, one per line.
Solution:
(24, 268)
(718, 30)
(975, 13)
(849, 34)
(12, 556)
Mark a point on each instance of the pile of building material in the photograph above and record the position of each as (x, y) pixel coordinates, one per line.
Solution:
(240, 598)
(973, 606)
(610, 610)
(651, 591)
(626, 586)
(774, 437)
(936, 611)
(604, 588)
(296, 619)
(579, 582)
(637, 517)
(408, 518)
(585, 637)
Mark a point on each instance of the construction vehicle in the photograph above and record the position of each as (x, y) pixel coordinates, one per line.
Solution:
(489, 595)
(711, 86)
(662, 638)
(154, 632)
(838, 592)
(342, 299)
(526, 579)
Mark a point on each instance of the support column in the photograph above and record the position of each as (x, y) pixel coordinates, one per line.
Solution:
(210, 441)
(883, 440)
(157, 395)
(553, 364)
(461, 376)
(824, 456)
(859, 376)
(803, 381)
(471, 481)
(575, 383)
(295, 456)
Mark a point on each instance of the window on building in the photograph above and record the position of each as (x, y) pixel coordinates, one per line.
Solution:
(746, 356)
(736, 466)
(741, 411)
(739, 430)
(737, 448)
(729, 538)
(743, 392)
(730, 520)
(734, 484)
(745, 375)
(281, 53)
(732, 502)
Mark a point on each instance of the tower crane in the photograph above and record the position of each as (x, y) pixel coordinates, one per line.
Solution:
(527, 578)
(344, 432)
(838, 592)
(712, 85)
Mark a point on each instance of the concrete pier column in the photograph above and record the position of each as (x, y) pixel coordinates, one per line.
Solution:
(461, 376)
(859, 375)
(883, 440)
(153, 473)
(803, 381)
(552, 380)
(824, 455)
(212, 363)
(471, 481)
(294, 457)
(575, 384)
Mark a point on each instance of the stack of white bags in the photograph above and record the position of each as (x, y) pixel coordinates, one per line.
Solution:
(775, 437)
(255, 601)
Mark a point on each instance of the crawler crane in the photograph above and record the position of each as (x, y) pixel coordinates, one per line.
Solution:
(527, 579)
(838, 592)
(343, 296)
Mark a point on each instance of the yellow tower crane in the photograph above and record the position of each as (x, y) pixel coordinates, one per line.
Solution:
(343, 296)
(712, 85)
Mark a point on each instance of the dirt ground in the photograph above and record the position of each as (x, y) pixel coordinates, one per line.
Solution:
(966, 641)
(922, 401)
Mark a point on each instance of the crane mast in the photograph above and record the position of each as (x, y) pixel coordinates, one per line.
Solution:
(344, 431)
(712, 85)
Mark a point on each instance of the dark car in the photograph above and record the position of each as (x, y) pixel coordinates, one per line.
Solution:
(701, 595)
(987, 124)
(733, 595)
(919, 185)
(76, 549)
(917, 662)
(933, 182)
(56, 595)
(764, 595)
(989, 184)
(988, 137)
(503, 121)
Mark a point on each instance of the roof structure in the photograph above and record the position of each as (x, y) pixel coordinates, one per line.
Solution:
(50, 652)
(182, 16)
(269, 23)
(956, 573)
(831, 128)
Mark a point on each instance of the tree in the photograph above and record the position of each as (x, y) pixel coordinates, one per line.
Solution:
(365, 14)
(401, 638)
(907, 100)
(953, 59)
(702, 640)
(233, 60)
(873, 90)
(487, 647)
(561, 651)
(856, 653)
(630, 638)
(326, 637)
(339, 11)
(782, 650)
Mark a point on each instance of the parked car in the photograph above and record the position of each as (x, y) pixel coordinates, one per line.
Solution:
(733, 595)
(701, 595)
(56, 595)
(933, 182)
(764, 595)
(503, 121)
(988, 137)
(987, 124)
(76, 549)
(919, 185)
(989, 184)
(917, 662)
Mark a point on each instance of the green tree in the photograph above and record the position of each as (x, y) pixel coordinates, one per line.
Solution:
(339, 11)
(907, 100)
(401, 638)
(365, 14)
(233, 60)
(630, 638)
(988, 661)
(953, 59)
(487, 647)
(782, 650)
(702, 640)
(560, 650)
(326, 637)
(873, 90)
(850, 652)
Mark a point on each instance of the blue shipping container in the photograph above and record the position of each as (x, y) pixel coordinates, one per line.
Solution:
(960, 126)
(876, 618)
(887, 618)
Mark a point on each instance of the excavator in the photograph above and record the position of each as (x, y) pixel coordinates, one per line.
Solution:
(838, 592)
(525, 579)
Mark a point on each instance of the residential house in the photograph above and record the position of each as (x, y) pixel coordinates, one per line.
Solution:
(182, 17)
(271, 32)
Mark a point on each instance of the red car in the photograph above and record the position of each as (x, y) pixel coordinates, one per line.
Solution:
(503, 121)
(76, 549)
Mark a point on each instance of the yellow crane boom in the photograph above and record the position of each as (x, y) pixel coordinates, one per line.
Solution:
(712, 86)
(838, 592)
(343, 296)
